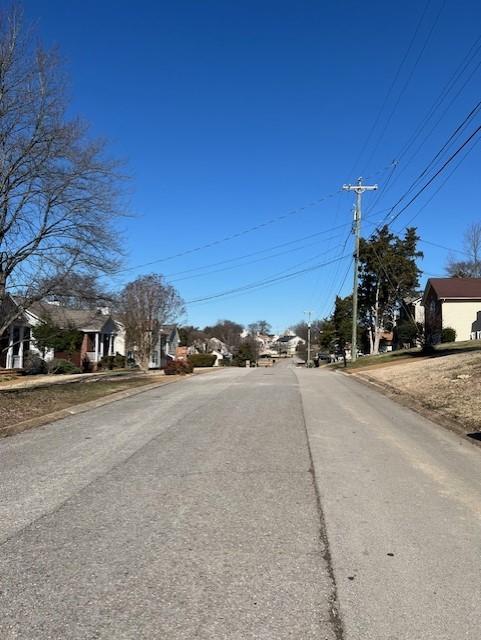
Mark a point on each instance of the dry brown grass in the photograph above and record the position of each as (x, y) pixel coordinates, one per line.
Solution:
(23, 404)
(449, 384)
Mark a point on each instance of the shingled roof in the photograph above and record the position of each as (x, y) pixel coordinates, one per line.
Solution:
(455, 288)
(83, 319)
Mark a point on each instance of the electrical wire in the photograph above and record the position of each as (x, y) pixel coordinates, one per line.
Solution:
(459, 129)
(446, 90)
(251, 262)
(408, 81)
(391, 88)
(391, 217)
(269, 281)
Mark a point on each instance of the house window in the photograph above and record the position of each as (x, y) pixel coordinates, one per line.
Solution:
(154, 357)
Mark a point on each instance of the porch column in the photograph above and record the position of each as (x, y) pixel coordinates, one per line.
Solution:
(9, 362)
(20, 346)
(96, 347)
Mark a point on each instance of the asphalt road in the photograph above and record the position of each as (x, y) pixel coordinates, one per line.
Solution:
(188, 511)
(192, 512)
(402, 502)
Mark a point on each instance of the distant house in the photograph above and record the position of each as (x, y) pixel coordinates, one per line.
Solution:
(166, 347)
(266, 343)
(287, 344)
(214, 346)
(100, 334)
(452, 302)
(412, 309)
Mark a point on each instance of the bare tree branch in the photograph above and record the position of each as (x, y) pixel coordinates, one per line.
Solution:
(59, 194)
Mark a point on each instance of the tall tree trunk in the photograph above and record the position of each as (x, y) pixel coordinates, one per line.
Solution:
(377, 328)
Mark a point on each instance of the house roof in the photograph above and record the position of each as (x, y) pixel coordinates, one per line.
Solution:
(455, 288)
(168, 328)
(83, 319)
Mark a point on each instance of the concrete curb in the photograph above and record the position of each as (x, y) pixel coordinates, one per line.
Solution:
(410, 402)
(75, 409)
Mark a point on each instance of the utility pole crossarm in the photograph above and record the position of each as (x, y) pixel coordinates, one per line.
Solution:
(358, 189)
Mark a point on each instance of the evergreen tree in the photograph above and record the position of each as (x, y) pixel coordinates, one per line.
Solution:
(388, 273)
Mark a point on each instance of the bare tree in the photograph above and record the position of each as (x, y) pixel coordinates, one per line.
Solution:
(471, 267)
(145, 305)
(227, 331)
(261, 326)
(59, 194)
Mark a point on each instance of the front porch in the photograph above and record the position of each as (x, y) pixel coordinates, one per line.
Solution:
(14, 344)
(96, 345)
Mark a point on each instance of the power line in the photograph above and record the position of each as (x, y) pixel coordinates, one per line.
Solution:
(391, 87)
(343, 281)
(260, 251)
(239, 234)
(262, 283)
(446, 90)
(233, 236)
(251, 262)
(459, 71)
(451, 138)
(336, 272)
(394, 217)
(406, 84)
(442, 183)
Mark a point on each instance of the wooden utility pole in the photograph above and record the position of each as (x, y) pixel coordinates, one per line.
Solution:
(358, 189)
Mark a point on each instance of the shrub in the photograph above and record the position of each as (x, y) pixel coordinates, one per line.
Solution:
(448, 334)
(177, 368)
(33, 365)
(120, 362)
(111, 362)
(50, 336)
(407, 333)
(202, 360)
(58, 366)
(106, 362)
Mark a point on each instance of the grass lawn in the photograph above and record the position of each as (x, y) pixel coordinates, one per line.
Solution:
(393, 357)
(449, 384)
(17, 405)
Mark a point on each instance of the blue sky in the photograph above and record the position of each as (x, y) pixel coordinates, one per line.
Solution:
(230, 114)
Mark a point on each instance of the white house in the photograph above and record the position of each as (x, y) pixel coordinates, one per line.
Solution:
(287, 344)
(100, 333)
(166, 346)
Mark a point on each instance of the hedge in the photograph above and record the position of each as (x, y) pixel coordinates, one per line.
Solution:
(202, 359)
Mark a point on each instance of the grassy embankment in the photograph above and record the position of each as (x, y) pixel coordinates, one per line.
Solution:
(446, 383)
(19, 404)
(411, 355)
